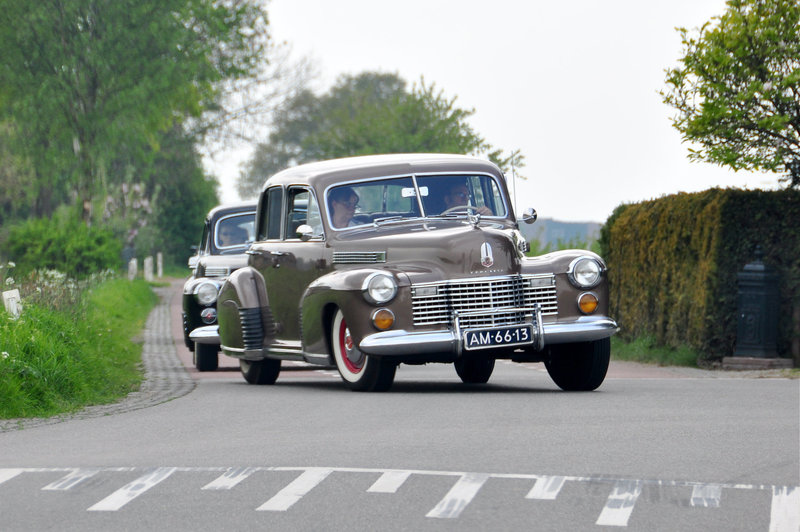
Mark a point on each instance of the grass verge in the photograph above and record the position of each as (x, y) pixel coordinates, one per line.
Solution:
(57, 361)
(647, 350)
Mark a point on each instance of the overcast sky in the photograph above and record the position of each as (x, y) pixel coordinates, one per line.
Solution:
(573, 85)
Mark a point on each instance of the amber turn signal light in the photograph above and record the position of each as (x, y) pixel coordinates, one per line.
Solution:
(587, 302)
(382, 318)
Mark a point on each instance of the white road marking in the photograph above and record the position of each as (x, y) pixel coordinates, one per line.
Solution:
(127, 493)
(71, 479)
(546, 488)
(620, 503)
(389, 482)
(8, 474)
(784, 510)
(231, 478)
(784, 515)
(295, 491)
(706, 495)
(459, 496)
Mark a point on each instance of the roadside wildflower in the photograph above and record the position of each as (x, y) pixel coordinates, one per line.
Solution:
(10, 281)
(4, 354)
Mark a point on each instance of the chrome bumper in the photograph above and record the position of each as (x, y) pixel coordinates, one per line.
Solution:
(388, 343)
(208, 334)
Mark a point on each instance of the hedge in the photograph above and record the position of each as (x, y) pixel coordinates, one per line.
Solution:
(673, 264)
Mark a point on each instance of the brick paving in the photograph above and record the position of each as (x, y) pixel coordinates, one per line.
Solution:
(165, 376)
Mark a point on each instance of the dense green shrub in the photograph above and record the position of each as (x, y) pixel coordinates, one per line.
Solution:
(673, 264)
(67, 246)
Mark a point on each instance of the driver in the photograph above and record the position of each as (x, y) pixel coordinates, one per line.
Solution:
(458, 196)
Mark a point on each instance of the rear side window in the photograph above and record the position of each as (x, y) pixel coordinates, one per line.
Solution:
(269, 223)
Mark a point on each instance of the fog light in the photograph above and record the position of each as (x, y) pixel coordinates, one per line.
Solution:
(208, 315)
(587, 302)
(382, 319)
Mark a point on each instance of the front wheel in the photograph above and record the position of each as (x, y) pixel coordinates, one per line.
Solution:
(474, 370)
(579, 366)
(206, 357)
(359, 371)
(260, 371)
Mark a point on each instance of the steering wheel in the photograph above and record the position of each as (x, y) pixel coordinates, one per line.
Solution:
(459, 208)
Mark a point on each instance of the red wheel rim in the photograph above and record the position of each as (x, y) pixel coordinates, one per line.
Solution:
(348, 348)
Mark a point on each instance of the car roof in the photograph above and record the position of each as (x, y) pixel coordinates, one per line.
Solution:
(323, 173)
(228, 208)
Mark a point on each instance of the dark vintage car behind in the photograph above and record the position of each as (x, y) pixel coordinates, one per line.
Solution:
(369, 262)
(228, 231)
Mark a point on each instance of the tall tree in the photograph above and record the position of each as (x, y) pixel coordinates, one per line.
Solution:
(366, 114)
(83, 78)
(737, 91)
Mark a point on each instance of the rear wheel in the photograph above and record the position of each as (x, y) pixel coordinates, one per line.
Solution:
(474, 370)
(206, 357)
(260, 371)
(359, 371)
(579, 366)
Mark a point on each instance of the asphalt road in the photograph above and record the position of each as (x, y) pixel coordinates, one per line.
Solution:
(652, 449)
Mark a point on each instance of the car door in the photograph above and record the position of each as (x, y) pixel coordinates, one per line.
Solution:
(287, 263)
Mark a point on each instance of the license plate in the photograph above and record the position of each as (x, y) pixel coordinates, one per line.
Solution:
(498, 337)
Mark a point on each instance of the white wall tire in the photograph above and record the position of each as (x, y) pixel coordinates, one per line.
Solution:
(359, 371)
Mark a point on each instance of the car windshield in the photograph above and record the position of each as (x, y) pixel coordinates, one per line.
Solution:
(387, 200)
(234, 231)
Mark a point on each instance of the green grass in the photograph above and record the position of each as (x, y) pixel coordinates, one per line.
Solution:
(58, 361)
(646, 350)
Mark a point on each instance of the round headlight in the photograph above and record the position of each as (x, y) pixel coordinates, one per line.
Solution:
(206, 293)
(379, 288)
(584, 272)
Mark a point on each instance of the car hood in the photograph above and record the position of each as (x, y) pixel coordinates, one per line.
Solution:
(440, 250)
(220, 265)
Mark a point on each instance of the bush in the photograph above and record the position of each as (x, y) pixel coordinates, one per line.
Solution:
(673, 264)
(66, 246)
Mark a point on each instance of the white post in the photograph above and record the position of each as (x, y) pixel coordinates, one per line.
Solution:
(148, 269)
(159, 265)
(11, 302)
(132, 267)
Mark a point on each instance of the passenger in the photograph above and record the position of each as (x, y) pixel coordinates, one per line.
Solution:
(231, 235)
(343, 203)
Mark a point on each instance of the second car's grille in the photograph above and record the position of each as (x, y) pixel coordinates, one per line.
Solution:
(436, 303)
(217, 271)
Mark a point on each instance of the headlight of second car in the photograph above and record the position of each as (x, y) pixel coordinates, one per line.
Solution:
(379, 288)
(585, 272)
(206, 293)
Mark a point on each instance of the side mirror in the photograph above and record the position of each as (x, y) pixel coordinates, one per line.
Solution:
(305, 232)
(529, 216)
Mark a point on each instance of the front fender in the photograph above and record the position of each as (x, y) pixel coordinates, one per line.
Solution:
(245, 320)
(339, 289)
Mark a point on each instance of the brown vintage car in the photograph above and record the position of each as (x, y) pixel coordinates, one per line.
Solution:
(368, 262)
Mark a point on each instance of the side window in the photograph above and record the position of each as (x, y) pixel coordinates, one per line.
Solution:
(297, 211)
(269, 223)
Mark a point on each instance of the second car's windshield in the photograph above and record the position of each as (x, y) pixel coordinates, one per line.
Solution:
(366, 202)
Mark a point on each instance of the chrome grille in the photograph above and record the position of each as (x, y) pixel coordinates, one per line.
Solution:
(217, 271)
(358, 257)
(490, 297)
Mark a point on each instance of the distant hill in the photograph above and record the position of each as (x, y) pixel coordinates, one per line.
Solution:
(552, 232)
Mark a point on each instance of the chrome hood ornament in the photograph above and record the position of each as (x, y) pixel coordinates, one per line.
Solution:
(487, 259)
